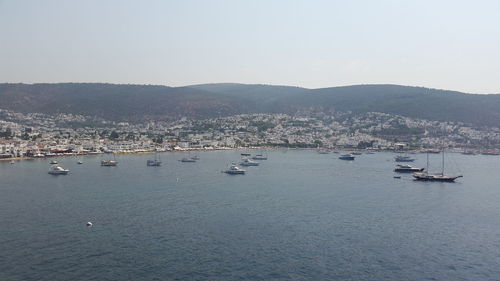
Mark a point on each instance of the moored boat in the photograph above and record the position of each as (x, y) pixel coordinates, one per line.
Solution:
(402, 158)
(248, 162)
(346, 157)
(58, 170)
(407, 169)
(234, 170)
(109, 163)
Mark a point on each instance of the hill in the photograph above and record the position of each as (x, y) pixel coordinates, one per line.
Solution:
(117, 102)
(148, 102)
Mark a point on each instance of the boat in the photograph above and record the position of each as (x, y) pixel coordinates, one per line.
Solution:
(346, 157)
(234, 170)
(11, 161)
(324, 151)
(245, 154)
(196, 157)
(154, 162)
(79, 162)
(58, 170)
(355, 153)
(109, 163)
(402, 158)
(441, 177)
(407, 169)
(259, 157)
(247, 162)
(494, 153)
(53, 162)
(188, 159)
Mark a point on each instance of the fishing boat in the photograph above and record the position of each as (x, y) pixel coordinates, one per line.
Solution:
(441, 177)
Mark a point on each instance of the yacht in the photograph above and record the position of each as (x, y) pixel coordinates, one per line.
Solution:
(401, 158)
(425, 176)
(58, 170)
(234, 170)
(346, 157)
(109, 163)
(407, 169)
(248, 162)
(259, 157)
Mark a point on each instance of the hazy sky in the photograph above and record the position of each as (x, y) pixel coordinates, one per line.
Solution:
(440, 44)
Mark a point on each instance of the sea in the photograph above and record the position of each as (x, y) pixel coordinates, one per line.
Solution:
(300, 215)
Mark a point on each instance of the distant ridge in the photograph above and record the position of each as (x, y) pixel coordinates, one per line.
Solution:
(152, 102)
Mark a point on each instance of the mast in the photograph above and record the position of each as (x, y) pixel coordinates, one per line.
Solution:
(442, 164)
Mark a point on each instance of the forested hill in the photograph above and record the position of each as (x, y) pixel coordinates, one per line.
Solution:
(146, 102)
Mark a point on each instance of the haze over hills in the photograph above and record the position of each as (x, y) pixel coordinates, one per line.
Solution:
(147, 102)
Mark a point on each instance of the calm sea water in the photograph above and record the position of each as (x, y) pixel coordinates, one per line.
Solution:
(298, 216)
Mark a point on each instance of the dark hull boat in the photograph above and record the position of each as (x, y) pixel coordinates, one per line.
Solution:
(436, 177)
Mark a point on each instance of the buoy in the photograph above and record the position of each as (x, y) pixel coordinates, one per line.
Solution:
(89, 224)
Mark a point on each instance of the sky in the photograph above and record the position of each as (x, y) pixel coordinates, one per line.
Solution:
(442, 44)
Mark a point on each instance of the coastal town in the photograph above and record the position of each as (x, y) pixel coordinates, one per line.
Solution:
(29, 135)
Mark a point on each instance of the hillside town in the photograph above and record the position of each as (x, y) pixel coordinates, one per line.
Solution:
(42, 135)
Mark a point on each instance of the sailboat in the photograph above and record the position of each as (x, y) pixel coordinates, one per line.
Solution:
(156, 162)
(109, 163)
(425, 176)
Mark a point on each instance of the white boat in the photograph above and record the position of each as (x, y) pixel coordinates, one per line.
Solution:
(259, 157)
(234, 170)
(109, 163)
(53, 162)
(58, 170)
(247, 162)
(407, 169)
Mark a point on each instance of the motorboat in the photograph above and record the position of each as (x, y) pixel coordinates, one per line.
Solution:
(407, 169)
(346, 157)
(234, 170)
(53, 162)
(402, 158)
(109, 163)
(259, 157)
(248, 162)
(58, 170)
